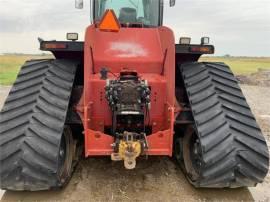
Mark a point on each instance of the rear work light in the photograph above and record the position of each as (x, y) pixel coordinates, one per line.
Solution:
(185, 40)
(72, 36)
(55, 46)
(205, 40)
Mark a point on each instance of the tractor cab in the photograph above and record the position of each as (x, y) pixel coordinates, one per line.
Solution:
(144, 13)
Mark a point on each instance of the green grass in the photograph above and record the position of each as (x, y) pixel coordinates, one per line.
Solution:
(241, 65)
(10, 65)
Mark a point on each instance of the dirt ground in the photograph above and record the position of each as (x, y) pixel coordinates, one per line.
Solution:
(259, 78)
(155, 179)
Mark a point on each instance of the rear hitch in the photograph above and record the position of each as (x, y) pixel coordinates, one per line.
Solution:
(129, 148)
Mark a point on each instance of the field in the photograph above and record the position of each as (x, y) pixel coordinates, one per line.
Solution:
(242, 65)
(10, 64)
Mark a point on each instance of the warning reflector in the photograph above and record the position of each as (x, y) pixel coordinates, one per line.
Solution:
(109, 22)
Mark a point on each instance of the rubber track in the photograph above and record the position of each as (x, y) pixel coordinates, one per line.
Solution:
(234, 151)
(31, 125)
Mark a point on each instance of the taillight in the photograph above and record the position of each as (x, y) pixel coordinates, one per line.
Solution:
(201, 49)
(52, 45)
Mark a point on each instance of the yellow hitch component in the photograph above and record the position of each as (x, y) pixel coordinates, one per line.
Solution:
(128, 150)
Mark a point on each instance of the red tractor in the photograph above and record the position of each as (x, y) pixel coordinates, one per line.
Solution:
(128, 91)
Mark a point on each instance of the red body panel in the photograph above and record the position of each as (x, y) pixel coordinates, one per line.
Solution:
(150, 52)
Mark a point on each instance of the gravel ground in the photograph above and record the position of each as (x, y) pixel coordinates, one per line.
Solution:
(155, 179)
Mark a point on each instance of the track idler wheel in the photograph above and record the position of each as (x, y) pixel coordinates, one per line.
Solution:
(66, 155)
(192, 155)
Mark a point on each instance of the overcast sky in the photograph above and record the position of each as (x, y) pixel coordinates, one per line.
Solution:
(236, 27)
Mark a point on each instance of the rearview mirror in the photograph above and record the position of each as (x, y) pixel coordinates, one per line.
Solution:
(79, 4)
(172, 3)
